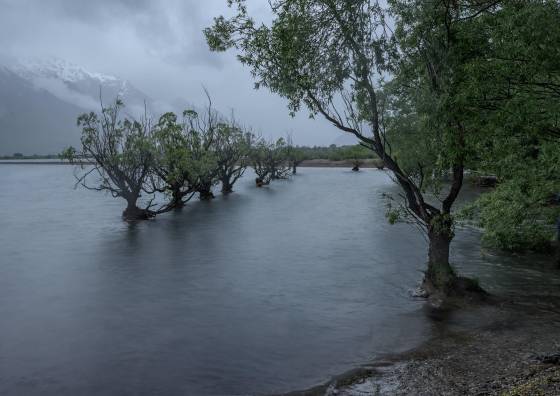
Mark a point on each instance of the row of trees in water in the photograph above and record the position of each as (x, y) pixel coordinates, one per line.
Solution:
(436, 89)
(177, 156)
(181, 156)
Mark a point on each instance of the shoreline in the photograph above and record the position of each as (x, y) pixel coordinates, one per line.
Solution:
(39, 162)
(317, 163)
(325, 163)
(504, 355)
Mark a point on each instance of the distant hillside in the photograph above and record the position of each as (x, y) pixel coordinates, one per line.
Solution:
(345, 139)
(33, 120)
(40, 101)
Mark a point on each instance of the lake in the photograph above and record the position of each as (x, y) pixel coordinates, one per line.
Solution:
(266, 290)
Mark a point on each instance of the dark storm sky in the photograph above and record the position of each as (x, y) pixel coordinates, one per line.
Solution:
(159, 47)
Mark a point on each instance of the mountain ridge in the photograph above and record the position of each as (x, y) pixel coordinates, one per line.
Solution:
(40, 101)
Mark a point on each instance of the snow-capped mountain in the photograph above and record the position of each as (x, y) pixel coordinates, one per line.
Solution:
(75, 84)
(33, 121)
(58, 69)
(41, 99)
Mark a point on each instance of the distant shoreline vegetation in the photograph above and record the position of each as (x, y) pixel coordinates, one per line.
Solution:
(20, 156)
(308, 153)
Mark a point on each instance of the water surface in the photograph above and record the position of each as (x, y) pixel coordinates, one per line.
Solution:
(266, 290)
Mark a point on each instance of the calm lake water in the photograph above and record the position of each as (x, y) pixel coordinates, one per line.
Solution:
(266, 290)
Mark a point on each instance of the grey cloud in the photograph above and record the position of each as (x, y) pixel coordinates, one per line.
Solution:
(99, 11)
(159, 47)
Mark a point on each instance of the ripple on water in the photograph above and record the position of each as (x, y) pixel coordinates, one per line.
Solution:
(266, 290)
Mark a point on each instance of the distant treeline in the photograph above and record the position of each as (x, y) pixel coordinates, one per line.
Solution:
(17, 156)
(332, 152)
(335, 153)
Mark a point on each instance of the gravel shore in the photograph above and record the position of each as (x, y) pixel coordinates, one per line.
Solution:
(517, 352)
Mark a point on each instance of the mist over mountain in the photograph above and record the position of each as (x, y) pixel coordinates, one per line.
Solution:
(41, 99)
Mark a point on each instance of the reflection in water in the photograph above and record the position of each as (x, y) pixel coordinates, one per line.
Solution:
(266, 290)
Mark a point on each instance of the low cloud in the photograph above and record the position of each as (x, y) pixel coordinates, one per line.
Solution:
(159, 47)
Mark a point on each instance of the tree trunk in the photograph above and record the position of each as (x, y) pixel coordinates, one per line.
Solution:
(264, 180)
(557, 244)
(177, 199)
(439, 277)
(294, 168)
(133, 212)
(227, 187)
(205, 194)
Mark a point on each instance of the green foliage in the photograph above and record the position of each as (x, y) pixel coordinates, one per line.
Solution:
(177, 158)
(333, 153)
(20, 156)
(393, 216)
(175, 163)
(270, 160)
(356, 152)
(294, 155)
(431, 121)
(172, 150)
(117, 155)
(518, 216)
(443, 224)
(187, 158)
(201, 132)
(500, 80)
(472, 85)
(514, 91)
(332, 57)
(303, 56)
(68, 154)
(232, 145)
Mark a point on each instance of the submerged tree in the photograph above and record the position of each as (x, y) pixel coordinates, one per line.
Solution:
(201, 130)
(259, 160)
(278, 161)
(116, 156)
(331, 56)
(175, 169)
(232, 146)
(269, 161)
(356, 156)
(294, 154)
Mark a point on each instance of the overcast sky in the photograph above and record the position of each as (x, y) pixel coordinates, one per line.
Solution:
(159, 47)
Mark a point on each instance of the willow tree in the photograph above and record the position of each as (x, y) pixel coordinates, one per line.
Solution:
(331, 56)
(116, 156)
(175, 169)
(231, 145)
(516, 88)
(278, 160)
(294, 154)
(269, 160)
(200, 131)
